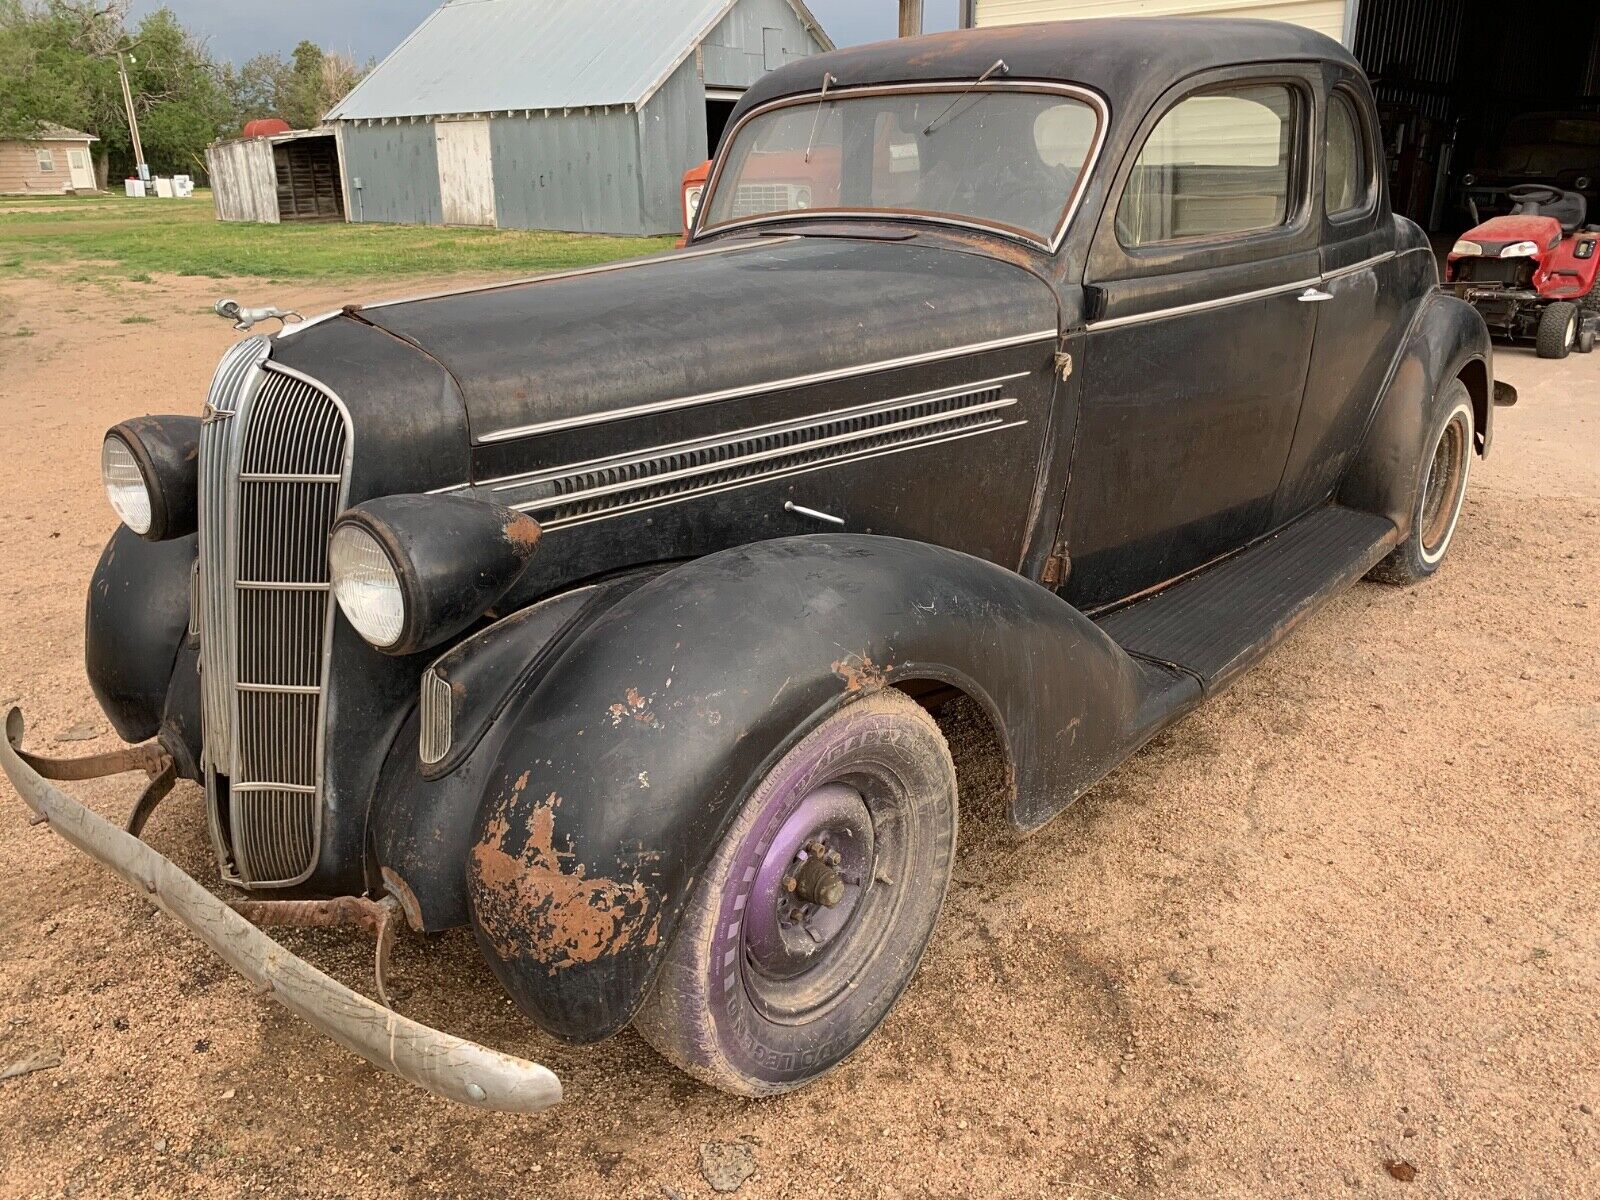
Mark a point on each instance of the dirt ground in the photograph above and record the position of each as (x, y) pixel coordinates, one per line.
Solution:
(1339, 926)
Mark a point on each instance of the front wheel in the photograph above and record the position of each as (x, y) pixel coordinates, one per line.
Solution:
(1558, 330)
(1441, 491)
(816, 909)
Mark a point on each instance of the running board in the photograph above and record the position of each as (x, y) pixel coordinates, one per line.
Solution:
(1219, 622)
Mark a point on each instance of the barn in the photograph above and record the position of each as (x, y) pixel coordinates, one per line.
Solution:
(576, 115)
(1473, 95)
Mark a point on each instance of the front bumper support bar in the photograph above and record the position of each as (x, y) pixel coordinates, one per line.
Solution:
(437, 1062)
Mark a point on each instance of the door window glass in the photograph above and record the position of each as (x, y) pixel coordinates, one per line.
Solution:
(1216, 164)
(1347, 174)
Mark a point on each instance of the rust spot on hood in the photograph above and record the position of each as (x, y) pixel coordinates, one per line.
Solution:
(861, 674)
(533, 902)
(523, 532)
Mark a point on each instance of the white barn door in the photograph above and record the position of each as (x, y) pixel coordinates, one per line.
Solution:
(466, 172)
(81, 170)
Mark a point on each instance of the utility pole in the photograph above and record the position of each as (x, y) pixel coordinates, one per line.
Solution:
(910, 18)
(133, 119)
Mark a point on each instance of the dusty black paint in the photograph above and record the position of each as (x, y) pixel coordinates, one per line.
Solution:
(603, 738)
(166, 449)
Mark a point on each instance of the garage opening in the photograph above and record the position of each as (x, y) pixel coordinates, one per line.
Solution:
(307, 170)
(719, 107)
(1477, 97)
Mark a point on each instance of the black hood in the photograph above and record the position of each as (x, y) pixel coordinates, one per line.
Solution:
(581, 348)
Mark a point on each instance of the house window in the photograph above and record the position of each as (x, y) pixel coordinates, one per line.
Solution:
(47, 161)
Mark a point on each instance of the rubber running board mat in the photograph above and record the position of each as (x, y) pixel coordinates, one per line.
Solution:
(1220, 621)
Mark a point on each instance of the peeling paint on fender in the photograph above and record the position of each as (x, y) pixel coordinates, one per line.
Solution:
(532, 902)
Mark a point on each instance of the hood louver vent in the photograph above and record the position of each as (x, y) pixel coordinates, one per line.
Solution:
(591, 491)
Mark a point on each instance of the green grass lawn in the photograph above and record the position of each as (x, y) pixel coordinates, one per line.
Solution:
(106, 238)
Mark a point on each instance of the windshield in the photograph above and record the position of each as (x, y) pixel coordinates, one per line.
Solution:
(1006, 158)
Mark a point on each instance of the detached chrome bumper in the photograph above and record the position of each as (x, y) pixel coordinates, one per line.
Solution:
(437, 1062)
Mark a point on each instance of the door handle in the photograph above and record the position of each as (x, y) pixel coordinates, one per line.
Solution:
(1314, 296)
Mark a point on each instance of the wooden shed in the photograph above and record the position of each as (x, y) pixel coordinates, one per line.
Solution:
(55, 163)
(289, 176)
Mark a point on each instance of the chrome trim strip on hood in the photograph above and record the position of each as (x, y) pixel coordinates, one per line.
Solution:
(756, 389)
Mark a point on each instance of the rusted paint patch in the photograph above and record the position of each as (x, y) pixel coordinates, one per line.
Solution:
(635, 705)
(523, 533)
(534, 902)
(861, 674)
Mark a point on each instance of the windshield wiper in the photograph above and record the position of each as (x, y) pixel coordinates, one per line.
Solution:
(999, 67)
(828, 79)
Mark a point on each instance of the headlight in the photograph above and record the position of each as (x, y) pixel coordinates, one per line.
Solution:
(125, 485)
(691, 204)
(367, 585)
(411, 572)
(1465, 249)
(1521, 250)
(149, 468)
(802, 197)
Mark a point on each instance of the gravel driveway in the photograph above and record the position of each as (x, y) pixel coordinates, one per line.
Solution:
(1337, 934)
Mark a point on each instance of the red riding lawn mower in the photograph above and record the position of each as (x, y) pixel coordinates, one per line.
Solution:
(1532, 274)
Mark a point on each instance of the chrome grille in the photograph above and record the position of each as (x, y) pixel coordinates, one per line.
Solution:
(273, 480)
(588, 491)
(236, 377)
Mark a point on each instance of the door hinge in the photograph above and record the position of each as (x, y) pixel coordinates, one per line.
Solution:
(1056, 569)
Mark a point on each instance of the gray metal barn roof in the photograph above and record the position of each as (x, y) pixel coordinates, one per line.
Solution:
(475, 56)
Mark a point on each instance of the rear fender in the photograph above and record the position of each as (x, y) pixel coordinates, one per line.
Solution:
(626, 763)
(1447, 340)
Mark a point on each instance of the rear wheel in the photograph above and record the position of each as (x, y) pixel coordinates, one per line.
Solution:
(1558, 330)
(817, 907)
(1441, 492)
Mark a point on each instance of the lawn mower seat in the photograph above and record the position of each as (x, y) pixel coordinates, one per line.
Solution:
(1534, 200)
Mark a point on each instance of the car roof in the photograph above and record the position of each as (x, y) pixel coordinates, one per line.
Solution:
(1129, 60)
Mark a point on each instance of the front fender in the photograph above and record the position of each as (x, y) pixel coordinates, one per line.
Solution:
(1447, 340)
(136, 621)
(632, 755)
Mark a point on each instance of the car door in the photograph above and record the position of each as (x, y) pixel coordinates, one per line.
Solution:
(1197, 342)
(1360, 321)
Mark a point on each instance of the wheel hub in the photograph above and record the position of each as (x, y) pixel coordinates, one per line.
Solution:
(810, 884)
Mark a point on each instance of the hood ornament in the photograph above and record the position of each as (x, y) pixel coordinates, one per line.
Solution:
(245, 318)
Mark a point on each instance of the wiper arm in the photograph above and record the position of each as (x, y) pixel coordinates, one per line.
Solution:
(828, 79)
(998, 68)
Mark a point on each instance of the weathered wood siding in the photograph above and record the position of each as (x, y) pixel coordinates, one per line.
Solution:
(19, 168)
(466, 172)
(244, 186)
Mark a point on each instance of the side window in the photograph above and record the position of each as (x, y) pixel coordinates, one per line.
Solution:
(1218, 163)
(46, 159)
(1348, 174)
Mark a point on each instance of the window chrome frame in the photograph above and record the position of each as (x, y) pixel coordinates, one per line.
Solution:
(1096, 102)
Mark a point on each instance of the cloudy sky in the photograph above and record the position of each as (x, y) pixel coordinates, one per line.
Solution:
(236, 29)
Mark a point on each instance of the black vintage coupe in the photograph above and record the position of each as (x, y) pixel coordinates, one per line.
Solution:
(1065, 368)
